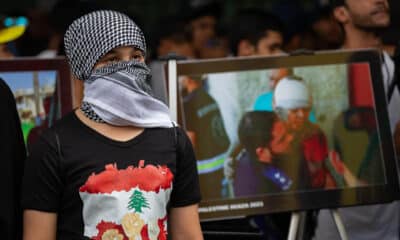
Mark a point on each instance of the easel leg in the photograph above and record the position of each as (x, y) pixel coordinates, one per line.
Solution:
(339, 224)
(294, 225)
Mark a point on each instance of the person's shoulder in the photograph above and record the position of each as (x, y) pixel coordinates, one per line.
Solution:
(66, 120)
(65, 124)
(179, 131)
(179, 134)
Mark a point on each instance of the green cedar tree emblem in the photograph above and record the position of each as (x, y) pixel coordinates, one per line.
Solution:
(137, 201)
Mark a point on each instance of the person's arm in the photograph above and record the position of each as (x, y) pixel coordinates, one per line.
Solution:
(184, 223)
(183, 216)
(39, 225)
(41, 189)
(192, 137)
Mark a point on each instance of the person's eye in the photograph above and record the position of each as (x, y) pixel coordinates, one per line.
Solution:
(113, 59)
(137, 56)
(110, 60)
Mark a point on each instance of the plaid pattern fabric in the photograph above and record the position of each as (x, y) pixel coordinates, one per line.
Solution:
(93, 35)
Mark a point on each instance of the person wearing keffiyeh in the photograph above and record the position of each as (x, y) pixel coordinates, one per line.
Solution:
(117, 167)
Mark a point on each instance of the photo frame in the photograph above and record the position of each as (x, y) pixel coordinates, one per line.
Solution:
(42, 89)
(346, 107)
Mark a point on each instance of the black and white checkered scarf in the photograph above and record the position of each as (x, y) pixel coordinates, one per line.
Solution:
(116, 93)
(119, 95)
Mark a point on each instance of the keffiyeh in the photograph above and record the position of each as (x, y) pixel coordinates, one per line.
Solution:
(119, 95)
(116, 93)
(93, 35)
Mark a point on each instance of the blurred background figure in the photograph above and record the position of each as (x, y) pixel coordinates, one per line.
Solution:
(325, 30)
(312, 29)
(11, 28)
(44, 35)
(256, 32)
(59, 18)
(363, 23)
(173, 39)
(207, 33)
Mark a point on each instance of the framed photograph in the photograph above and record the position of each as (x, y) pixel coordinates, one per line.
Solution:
(42, 90)
(286, 133)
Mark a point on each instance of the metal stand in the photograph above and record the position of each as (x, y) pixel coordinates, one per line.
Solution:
(172, 89)
(295, 223)
(339, 224)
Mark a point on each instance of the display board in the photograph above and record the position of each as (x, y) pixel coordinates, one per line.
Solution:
(286, 133)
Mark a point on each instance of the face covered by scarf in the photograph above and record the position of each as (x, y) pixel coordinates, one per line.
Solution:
(119, 94)
(116, 93)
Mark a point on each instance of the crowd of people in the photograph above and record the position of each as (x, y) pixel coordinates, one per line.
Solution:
(289, 120)
(201, 32)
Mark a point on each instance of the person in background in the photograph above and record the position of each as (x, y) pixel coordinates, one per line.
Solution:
(363, 23)
(37, 34)
(326, 31)
(202, 25)
(117, 167)
(61, 15)
(172, 39)
(314, 30)
(11, 28)
(265, 37)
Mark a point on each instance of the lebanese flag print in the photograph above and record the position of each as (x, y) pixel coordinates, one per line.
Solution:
(127, 204)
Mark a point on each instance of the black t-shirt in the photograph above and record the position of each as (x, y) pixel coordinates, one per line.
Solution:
(100, 187)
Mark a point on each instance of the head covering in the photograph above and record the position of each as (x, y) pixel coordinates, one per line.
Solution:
(116, 93)
(93, 35)
(291, 93)
(14, 28)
